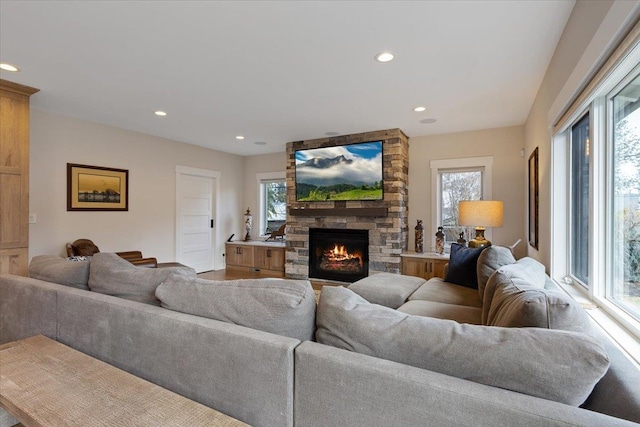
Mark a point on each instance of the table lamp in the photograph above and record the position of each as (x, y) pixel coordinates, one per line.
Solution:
(480, 214)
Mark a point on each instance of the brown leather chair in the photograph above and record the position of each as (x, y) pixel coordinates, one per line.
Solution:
(85, 247)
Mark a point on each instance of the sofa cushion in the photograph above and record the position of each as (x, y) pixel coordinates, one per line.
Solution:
(438, 290)
(462, 266)
(491, 259)
(440, 310)
(556, 365)
(516, 297)
(280, 306)
(390, 290)
(59, 270)
(527, 272)
(116, 276)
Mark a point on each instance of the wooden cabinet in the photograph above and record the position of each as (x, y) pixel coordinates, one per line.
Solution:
(425, 265)
(239, 255)
(269, 258)
(14, 177)
(256, 256)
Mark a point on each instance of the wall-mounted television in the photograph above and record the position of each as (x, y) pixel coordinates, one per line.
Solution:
(344, 172)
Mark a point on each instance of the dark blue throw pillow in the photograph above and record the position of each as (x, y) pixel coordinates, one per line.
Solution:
(462, 266)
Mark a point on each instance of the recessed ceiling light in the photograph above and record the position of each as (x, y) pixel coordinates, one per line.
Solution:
(160, 113)
(9, 67)
(331, 133)
(384, 57)
(260, 143)
(239, 137)
(419, 109)
(428, 121)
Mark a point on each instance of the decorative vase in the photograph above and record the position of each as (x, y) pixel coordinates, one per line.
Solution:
(440, 241)
(419, 237)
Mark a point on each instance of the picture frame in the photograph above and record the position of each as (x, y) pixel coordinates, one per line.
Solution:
(533, 199)
(97, 188)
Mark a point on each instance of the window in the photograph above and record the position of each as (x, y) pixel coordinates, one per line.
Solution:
(275, 195)
(579, 215)
(454, 180)
(454, 187)
(596, 194)
(272, 194)
(624, 151)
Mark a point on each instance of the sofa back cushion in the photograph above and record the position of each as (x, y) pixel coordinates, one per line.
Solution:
(555, 365)
(515, 296)
(59, 270)
(280, 306)
(530, 271)
(112, 275)
(491, 259)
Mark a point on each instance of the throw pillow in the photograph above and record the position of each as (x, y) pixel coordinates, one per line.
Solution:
(116, 276)
(530, 271)
(555, 365)
(462, 266)
(59, 270)
(515, 297)
(280, 306)
(491, 259)
(390, 290)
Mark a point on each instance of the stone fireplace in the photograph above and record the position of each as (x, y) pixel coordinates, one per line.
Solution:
(385, 221)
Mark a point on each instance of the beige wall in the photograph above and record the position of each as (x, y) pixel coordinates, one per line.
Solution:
(590, 32)
(504, 144)
(149, 225)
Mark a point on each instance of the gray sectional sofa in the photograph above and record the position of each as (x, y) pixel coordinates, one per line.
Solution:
(388, 350)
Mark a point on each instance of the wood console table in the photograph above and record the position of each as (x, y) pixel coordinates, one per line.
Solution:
(45, 383)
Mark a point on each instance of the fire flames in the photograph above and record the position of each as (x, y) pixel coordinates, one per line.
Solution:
(340, 259)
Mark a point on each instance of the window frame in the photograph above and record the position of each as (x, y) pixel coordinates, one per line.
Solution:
(464, 164)
(262, 179)
(600, 222)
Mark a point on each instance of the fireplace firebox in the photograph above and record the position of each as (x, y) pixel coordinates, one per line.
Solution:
(338, 254)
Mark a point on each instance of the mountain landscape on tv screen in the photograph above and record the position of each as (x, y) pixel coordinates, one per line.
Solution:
(348, 172)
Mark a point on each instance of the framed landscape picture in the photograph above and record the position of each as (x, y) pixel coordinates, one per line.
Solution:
(533, 199)
(96, 188)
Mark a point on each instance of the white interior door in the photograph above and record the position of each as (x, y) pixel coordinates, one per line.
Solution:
(195, 218)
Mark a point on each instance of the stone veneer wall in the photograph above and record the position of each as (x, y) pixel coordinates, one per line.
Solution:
(388, 235)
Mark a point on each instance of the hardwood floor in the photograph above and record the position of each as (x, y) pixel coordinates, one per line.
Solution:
(239, 274)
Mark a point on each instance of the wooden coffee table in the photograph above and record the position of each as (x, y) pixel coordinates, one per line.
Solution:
(45, 383)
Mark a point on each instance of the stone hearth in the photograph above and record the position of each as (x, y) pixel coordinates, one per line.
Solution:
(386, 220)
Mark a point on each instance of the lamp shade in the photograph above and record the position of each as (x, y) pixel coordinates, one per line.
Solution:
(480, 213)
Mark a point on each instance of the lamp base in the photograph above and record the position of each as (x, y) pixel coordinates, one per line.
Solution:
(479, 241)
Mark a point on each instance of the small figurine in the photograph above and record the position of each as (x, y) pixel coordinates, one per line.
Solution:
(440, 241)
(419, 237)
(461, 240)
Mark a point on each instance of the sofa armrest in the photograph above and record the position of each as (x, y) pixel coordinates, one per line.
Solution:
(129, 255)
(144, 262)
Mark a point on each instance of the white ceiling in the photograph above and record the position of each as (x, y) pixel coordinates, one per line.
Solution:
(279, 71)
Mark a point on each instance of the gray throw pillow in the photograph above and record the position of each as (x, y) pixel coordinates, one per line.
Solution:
(529, 272)
(280, 306)
(555, 365)
(390, 290)
(520, 300)
(60, 270)
(115, 276)
(489, 261)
